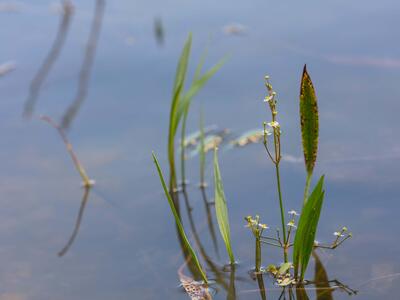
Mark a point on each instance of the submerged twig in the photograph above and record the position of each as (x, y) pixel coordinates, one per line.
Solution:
(87, 182)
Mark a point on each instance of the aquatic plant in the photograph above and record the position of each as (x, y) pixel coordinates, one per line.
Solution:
(307, 228)
(257, 229)
(221, 209)
(175, 110)
(202, 153)
(180, 105)
(198, 82)
(178, 221)
(304, 240)
(309, 126)
(301, 236)
(87, 182)
(275, 155)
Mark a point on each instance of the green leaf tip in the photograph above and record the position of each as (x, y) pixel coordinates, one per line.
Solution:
(309, 120)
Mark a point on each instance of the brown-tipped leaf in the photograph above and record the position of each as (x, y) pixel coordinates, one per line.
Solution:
(309, 120)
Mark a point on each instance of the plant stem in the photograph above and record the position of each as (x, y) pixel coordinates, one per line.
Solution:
(202, 154)
(307, 187)
(258, 254)
(183, 132)
(278, 179)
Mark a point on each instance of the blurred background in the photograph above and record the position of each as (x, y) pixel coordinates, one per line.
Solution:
(104, 71)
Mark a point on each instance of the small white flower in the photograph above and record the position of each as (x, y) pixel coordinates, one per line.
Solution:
(316, 243)
(263, 226)
(268, 98)
(291, 224)
(273, 124)
(267, 132)
(293, 213)
(338, 233)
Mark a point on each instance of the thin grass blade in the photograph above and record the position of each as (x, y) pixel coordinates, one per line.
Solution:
(183, 110)
(178, 221)
(175, 111)
(202, 151)
(221, 209)
(199, 83)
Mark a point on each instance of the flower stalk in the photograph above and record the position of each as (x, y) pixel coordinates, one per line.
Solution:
(276, 155)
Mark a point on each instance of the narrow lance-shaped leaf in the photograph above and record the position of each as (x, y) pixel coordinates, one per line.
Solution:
(309, 121)
(175, 111)
(183, 110)
(199, 83)
(221, 209)
(307, 227)
(178, 221)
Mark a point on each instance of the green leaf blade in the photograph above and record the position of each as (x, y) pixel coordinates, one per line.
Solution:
(306, 230)
(178, 221)
(309, 121)
(221, 209)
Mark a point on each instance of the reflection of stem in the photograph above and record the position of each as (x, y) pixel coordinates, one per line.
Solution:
(84, 75)
(232, 289)
(77, 224)
(209, 262)
(50, 59)
(210, 220)
(260, 281)
(301, 293)
(87, 182)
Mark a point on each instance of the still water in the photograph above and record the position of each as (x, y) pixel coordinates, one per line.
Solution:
(127, 246)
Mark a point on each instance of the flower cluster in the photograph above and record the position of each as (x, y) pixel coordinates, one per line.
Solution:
(256, 227)
(273, 126)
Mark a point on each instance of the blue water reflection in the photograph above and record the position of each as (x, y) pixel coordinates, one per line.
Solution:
(127, 246)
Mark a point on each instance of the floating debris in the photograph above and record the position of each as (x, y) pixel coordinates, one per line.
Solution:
(6, 68)
(9, 7)
(194, 138)
(159, 31)
(281, 275)
(210, 142)
(234, 29)
(196, 290)
(249, 137)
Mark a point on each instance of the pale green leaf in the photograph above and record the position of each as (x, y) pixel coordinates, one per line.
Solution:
(221, 209)
(307, 227)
